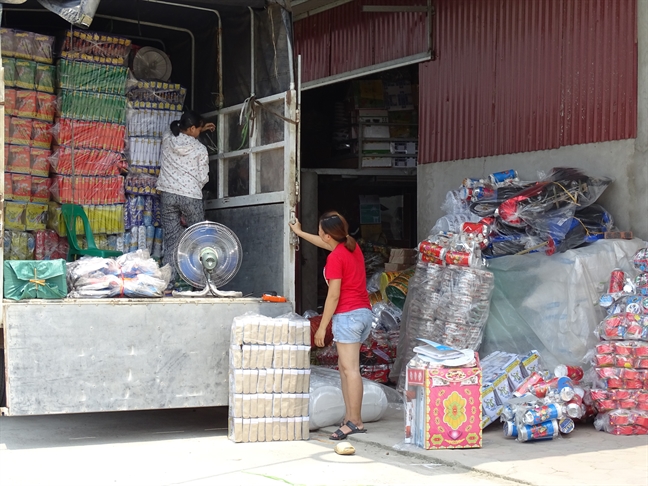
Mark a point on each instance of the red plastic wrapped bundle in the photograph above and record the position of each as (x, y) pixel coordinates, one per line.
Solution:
(86, 162)
(88, 190)
(49, 245)
(98, 135)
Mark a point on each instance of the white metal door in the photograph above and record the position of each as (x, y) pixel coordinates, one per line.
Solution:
(257, 189)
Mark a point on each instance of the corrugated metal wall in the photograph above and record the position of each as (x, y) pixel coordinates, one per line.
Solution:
(517, 76)
(346, 38)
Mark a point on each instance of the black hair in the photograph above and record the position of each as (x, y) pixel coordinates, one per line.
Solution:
(334, 224)
(189, 119)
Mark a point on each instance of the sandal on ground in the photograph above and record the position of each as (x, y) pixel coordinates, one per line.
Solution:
(339, 435)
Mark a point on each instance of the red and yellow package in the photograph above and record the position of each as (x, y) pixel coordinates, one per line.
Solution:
(45, 107)
(39, 164)
(40, 189)
(41, 134)
(14, 216)
(7, 128)
(35, 217)
(10, 101)
(19, 159)
(21, 187)
(20, 131)
(8, 186)
(25, 104)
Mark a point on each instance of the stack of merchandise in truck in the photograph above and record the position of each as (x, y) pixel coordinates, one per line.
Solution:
(29, 115)
(90, 133)
(152, 106)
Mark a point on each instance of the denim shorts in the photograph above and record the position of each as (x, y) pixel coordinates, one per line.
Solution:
(352, 327)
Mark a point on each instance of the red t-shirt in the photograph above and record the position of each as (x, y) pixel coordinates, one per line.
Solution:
(349, 267)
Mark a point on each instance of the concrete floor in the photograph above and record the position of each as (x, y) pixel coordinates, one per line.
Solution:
(169, 447)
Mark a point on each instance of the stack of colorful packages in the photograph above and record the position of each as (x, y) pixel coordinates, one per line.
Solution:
(621, 358)
(152, 106)
(449, 295)
(29, 115)
(90, 132)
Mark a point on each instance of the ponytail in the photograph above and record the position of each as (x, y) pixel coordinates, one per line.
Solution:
(175, 127)
(336, 226)
(189, 119)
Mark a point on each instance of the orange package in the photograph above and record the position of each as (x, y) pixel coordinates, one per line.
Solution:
(21, 187)
(40, 189)
(26, 104)
(41, 134)
(19, 159)
(10, 101)
(39, 163)
(20, 131)
(45, 107)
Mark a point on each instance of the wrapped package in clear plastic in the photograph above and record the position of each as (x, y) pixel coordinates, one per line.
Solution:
(87, 162)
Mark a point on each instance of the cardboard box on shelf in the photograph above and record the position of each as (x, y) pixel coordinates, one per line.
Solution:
(404, 162)
(369, 161)
(380, 148)
(404, 148)
(367, 94)
(366, 118)
(444, 407)
(398, 96)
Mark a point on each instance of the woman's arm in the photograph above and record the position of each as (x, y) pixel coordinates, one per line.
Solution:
(312, 239)
(332, 299)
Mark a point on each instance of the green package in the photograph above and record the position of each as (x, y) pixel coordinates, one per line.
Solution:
(25, 74)
(9, 65)
(45, 75)
(35, 279)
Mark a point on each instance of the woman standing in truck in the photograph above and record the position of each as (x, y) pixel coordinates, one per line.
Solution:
(347, 307)
(184, 171)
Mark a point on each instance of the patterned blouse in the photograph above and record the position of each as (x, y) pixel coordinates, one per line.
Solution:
(185, 166)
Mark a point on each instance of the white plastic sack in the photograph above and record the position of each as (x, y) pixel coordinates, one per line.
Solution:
(326, 406)
(550, 303)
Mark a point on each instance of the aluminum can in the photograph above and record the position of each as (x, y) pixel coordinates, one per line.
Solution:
(575, 373)
(543, 431)
(566, 425)
(433, 250)
(532, 380)
(565, 388)
(540, 389)
(606, 300)
(574, 410)
(510, 429)
(471, 182)
(538, 415)
(508, 414)
(459, 258)
(482, 193)
(617, 279)
(505, 175)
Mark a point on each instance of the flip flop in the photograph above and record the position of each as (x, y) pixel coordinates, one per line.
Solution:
(339, 435)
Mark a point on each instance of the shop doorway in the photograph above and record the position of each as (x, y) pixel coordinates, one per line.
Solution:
(359, 149)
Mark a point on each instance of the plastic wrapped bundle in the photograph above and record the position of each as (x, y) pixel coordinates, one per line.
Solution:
(134, 275)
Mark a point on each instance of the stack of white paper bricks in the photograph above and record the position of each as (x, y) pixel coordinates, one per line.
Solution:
(269, 378)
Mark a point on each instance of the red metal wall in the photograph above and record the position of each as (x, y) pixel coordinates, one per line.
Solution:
(345, 38)
(517, 76)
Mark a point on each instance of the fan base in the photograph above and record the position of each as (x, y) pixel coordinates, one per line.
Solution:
(210, 290)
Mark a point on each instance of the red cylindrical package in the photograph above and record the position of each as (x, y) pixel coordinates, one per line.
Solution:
(642, 406)
(603, 360)
(632, 374)
(638, 430)
(624, 348)
(634, 384)
(641, 363)
(621, 394)
(628, 404)
(622, 430)
(608, 373)
(605, 348)
(641, 420)
(620, 417)
(615, 383)
(642, 396)
(641, 350)
(622, 361)
(600, 394)
(606, 405)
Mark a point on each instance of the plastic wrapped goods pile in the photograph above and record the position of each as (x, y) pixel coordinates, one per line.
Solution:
(29, 115)
(543, 408)
(134, 275)
(552, 215)
(621, 358)
(152, 106)
(446, 304)
(269, 378)
(327, 404)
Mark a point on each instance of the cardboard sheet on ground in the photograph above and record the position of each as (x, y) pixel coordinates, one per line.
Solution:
(551, 303)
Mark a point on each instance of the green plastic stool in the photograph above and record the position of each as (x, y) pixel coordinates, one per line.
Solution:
(70, 214)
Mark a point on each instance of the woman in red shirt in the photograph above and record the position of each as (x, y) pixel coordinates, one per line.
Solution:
(347, 307)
